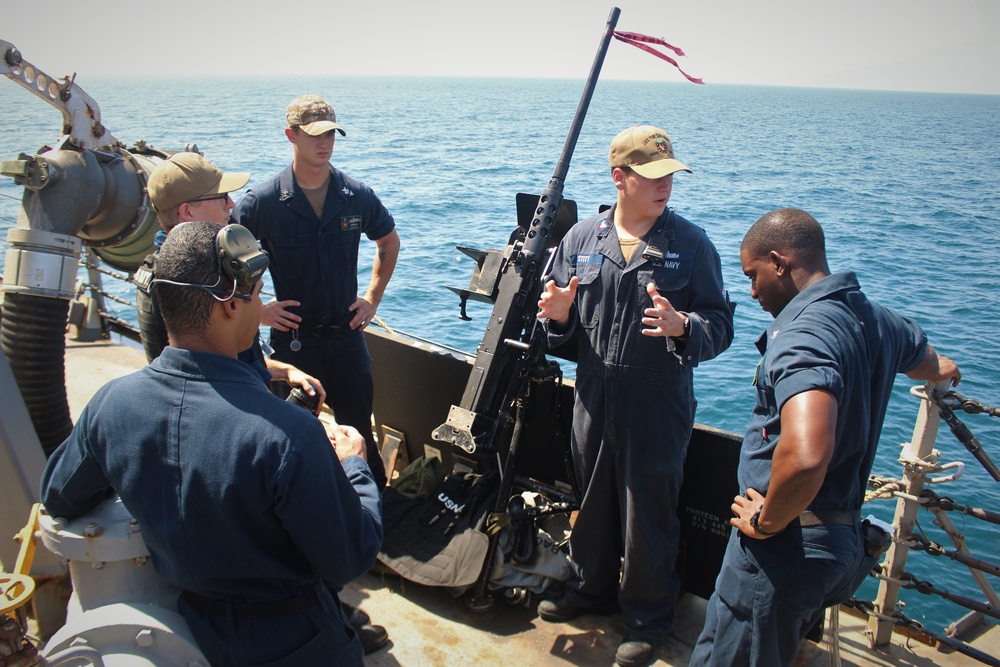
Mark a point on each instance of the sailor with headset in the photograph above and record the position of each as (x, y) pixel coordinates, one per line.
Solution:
(243, 502)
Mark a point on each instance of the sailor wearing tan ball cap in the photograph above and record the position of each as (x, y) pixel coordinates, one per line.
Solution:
(313, 115)
(187, 180)
(643, 288)
(646, 150)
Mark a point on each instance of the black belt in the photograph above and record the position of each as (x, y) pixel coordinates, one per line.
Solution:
(821, 517)
(323, 330)
(253, 611)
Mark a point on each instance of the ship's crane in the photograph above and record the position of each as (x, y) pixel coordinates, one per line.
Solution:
(85, 194)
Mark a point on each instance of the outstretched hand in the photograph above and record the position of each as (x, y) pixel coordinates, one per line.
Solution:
(555, 302)
(662, 319)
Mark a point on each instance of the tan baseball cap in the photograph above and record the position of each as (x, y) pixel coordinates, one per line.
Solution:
(647, 150)
(313, 115)
(188, 176)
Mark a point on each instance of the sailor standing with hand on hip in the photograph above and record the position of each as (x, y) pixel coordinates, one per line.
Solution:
(830, 358)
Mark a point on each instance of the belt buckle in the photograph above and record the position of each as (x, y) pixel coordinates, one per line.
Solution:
(324, 330)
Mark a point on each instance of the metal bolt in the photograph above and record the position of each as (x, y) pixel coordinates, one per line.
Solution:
(145, 638)
(92, 530)
(12, 57)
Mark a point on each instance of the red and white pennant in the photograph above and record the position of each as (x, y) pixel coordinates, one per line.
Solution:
(643, 42)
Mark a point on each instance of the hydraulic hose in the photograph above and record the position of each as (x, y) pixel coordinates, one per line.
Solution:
(32, 334)
(71, 196)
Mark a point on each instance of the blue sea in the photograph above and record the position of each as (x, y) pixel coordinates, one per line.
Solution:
(906, 185)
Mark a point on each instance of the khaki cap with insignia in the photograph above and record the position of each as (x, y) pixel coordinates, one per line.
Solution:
(646, 150)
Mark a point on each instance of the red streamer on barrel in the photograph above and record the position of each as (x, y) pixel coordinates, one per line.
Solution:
(643, 41)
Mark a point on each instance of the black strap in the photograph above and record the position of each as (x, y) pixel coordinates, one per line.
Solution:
(253, 611)
(819, 517)
(324, 330)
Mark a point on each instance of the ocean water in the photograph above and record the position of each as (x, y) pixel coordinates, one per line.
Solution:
(906, 185)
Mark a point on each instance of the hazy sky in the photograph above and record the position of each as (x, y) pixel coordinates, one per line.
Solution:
(925, 45)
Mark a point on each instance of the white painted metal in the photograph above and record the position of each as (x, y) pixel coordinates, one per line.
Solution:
(119, 607)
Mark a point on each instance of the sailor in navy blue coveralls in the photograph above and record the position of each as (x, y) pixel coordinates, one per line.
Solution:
(243, 502)
(827, 343)
(315, 261)
(635, 408)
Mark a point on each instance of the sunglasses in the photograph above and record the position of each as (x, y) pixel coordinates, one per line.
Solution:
(224, 196)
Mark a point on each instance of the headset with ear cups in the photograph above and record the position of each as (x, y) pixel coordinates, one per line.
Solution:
(240, 255)
(241, 259)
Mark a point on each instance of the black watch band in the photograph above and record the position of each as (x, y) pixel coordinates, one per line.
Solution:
(754, 522)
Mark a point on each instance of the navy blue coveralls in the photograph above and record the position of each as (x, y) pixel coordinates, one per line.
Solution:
(315, 262)
(240, 497)
(771, 592)
(634, 409)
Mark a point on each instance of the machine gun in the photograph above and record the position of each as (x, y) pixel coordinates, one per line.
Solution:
(510, 351)
(511, 355)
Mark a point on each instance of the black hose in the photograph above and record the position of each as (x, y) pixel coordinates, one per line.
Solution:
(33, 336)
(152, 330)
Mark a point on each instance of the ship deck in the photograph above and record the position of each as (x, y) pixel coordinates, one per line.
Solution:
(427, 626)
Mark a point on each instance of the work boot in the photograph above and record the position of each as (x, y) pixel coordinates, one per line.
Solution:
(373, 637)
(562, 609)
(355, 616)
(634, 653)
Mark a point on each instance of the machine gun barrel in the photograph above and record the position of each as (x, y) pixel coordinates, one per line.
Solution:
(507, 343)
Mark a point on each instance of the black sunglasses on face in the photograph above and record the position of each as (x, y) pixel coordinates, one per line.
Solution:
(224, 196)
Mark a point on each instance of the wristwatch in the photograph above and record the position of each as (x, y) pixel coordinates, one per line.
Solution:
(687, 325)
(753, 522)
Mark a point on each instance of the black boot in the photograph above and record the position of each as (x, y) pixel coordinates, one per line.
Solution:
(373, 637)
